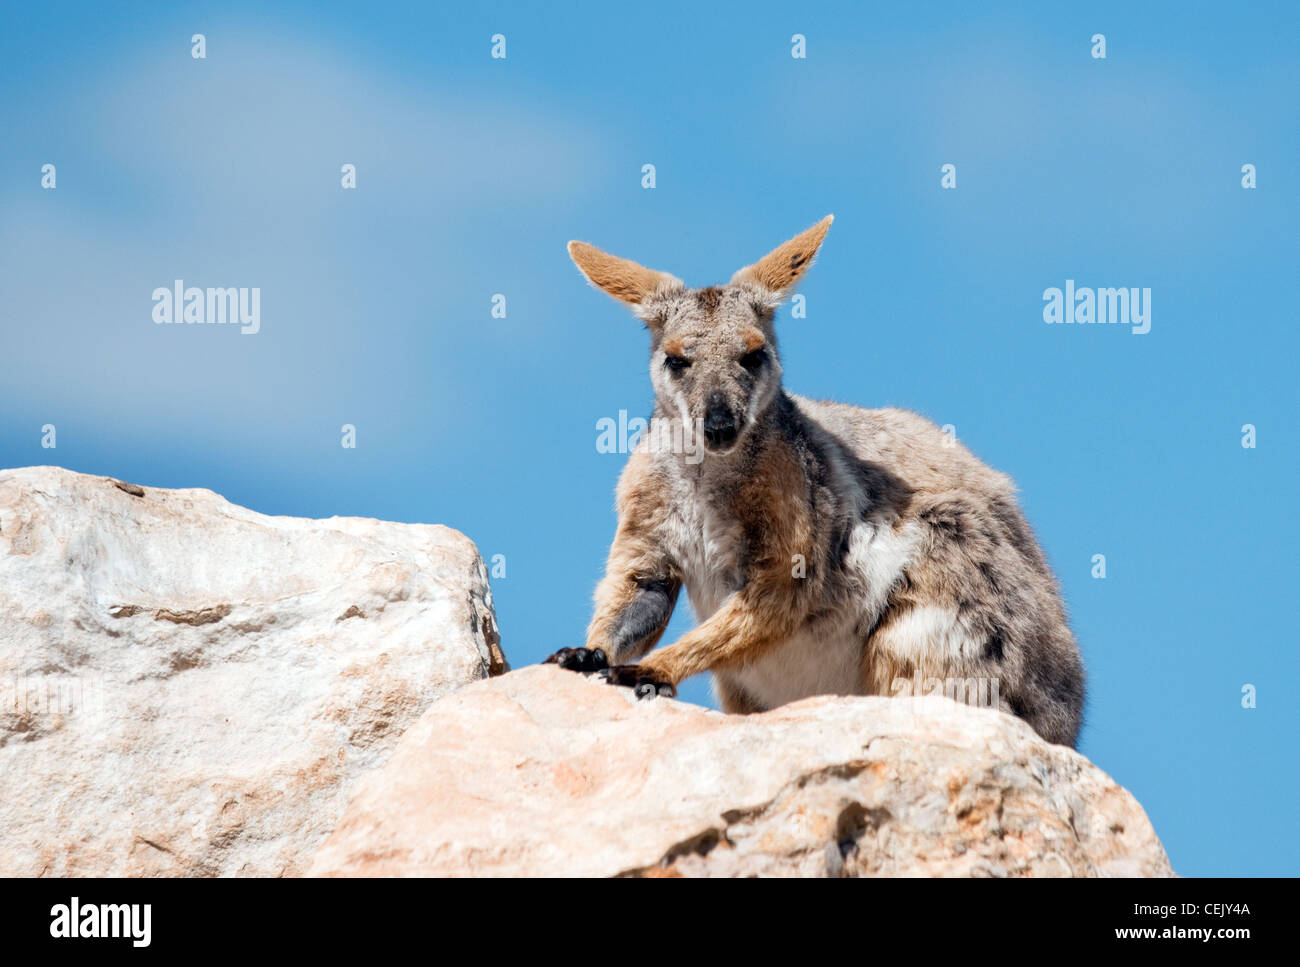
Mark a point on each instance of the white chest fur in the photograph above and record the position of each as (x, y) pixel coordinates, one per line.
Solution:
(707, 547)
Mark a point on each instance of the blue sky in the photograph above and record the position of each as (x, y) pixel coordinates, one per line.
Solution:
(472, 173)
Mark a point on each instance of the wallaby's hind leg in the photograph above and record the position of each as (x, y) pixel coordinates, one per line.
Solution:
(980, 615)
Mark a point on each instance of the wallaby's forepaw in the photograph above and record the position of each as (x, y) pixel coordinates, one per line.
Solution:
(641, 680)
(579, 659)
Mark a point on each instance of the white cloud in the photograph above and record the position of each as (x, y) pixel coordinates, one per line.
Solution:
(225, 172)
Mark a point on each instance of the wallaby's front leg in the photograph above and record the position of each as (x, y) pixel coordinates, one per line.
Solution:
(774, 600)
(631, 614)
(634, 600)
(632, 611)
(751, 621)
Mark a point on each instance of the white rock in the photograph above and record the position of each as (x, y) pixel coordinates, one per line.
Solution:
(188, 687)
(543, 772)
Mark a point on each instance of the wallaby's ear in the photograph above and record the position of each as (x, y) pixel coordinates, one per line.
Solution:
(780, 270)
(621, 278)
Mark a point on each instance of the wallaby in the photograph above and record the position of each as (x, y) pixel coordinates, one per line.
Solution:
(826, 549)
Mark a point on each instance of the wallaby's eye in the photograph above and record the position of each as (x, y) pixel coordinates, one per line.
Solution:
(676, 364)
(754, 361)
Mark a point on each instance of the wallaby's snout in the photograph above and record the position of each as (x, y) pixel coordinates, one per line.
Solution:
(720, 427)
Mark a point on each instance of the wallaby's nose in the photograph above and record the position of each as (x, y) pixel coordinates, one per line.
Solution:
(719, 423)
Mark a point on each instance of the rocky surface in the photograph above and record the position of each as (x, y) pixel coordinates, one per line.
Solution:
(188, 687)
(545, 772)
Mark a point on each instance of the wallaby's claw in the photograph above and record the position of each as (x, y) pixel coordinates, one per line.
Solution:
(589, 660)
(640, 680)
(579, 659)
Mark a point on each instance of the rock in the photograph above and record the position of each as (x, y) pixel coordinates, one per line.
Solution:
(191, 688)
(546, 772)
